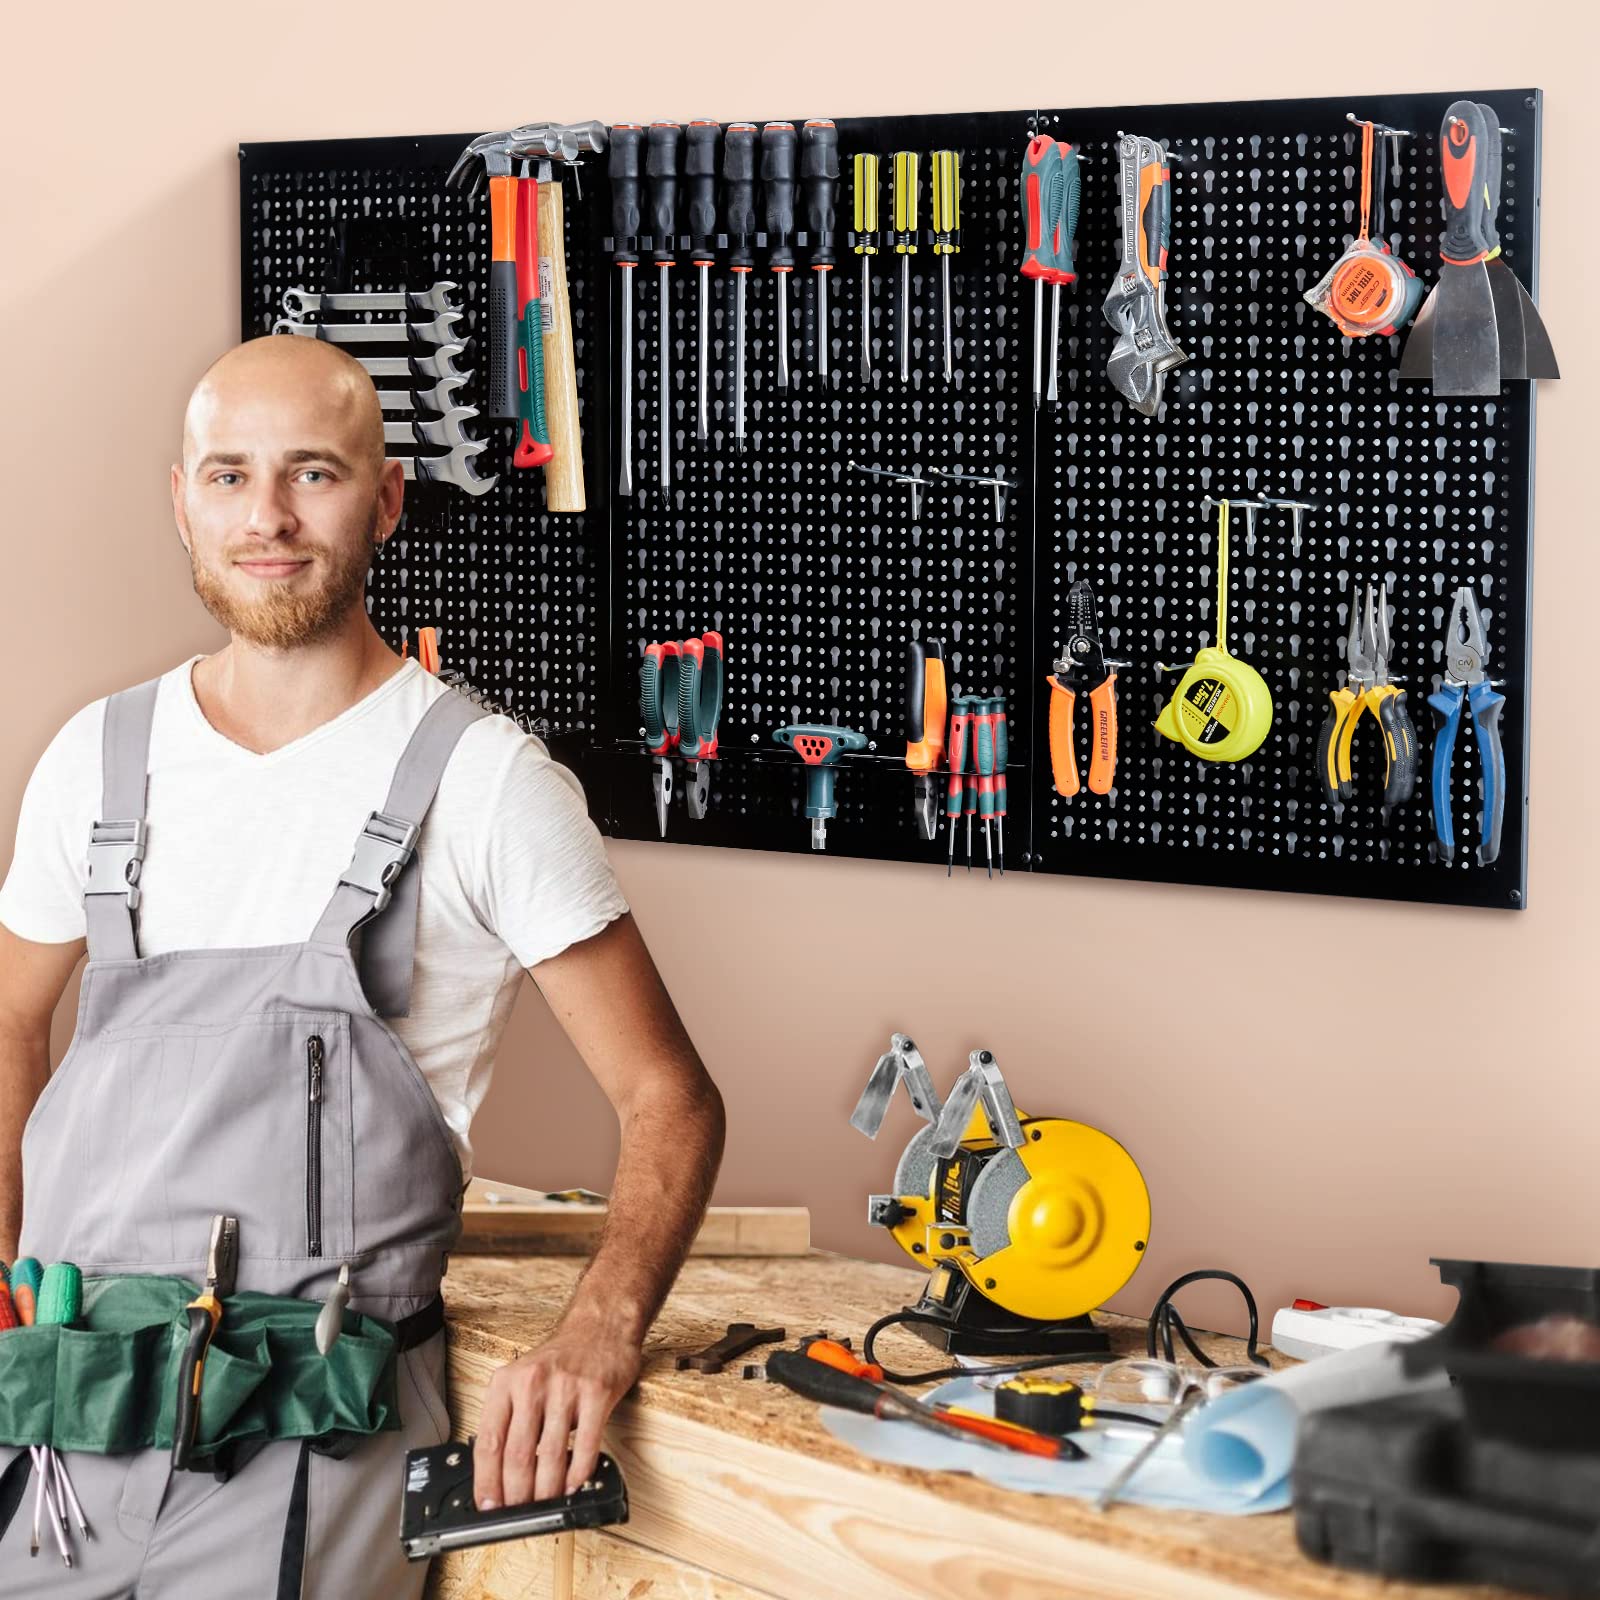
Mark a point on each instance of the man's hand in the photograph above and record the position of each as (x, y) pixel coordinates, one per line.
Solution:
(569, 1383)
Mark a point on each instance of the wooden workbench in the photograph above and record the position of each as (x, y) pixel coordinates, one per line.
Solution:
(737, 1492)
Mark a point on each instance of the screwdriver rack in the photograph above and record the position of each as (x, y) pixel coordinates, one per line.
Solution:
(817, 575)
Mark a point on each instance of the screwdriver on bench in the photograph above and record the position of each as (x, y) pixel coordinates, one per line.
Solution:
(777, 189)
(700, 169)
(946, 231)
(866, 246)
(905, 244)
(739, 196)
(661, 200)
(623, 170)
(819, 177)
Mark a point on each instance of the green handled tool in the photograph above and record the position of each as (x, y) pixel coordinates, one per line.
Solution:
(533, 442)
(204, 1313)
(820, 745)
(1064, 270)
(984, 752)
(658, 709)
(959, 746)
(1043, 180)
(700, 682)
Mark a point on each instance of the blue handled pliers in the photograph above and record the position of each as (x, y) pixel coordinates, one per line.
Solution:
(1465, 682)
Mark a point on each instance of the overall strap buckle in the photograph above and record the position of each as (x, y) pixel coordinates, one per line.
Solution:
(116, 851)
(386, 844)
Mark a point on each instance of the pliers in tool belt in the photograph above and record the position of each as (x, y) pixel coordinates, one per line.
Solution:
(1367, 689)
(1083, 666)
(658, 709)
(700, 680)
(1465, 681)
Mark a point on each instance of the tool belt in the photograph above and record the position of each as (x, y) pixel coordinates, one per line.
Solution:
(108, 1383)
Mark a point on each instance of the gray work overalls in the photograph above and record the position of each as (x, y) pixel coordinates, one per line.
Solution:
(262, 1083)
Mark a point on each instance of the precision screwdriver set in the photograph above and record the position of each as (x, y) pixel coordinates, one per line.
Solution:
(1186, 495)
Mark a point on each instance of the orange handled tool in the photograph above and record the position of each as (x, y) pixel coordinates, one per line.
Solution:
(926, 703)
(1083, 666)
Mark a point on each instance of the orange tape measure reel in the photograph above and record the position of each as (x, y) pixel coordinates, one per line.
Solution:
(1369, 290)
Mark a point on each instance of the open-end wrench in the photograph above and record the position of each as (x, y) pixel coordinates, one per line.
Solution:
(440, 363)
(440, 300)
(441, 397)
(442, 330)
(456, 468)
(445, 430)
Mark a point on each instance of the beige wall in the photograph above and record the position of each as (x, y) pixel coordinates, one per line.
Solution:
(1396, 1081)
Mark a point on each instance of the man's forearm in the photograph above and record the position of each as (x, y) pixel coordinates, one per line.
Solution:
(24, 1071)
(666, 1167)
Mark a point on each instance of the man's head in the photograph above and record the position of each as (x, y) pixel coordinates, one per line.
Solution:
(284, 494)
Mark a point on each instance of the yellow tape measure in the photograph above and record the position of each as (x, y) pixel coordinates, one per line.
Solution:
(1222, 709)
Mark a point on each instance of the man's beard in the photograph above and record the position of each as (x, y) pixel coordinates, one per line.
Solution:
(280, 618)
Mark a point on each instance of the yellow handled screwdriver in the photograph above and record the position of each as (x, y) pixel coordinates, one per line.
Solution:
(866, 246)
(905, 244)
(946, 231)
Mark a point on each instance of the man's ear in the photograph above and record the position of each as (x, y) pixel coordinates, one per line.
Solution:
(178, 515)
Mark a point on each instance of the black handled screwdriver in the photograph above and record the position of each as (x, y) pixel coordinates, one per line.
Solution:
(819, 177)
(700, 169)
(661, 201)
(866, 246)
(623, 170)
(739, 196)
(905, 244)
(778, 143)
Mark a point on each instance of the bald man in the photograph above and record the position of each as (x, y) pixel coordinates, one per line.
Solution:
(309, 878)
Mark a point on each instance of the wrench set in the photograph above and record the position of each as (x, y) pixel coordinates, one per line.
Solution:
(824, 469)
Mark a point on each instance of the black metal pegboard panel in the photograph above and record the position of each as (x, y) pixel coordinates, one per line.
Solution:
(519, 595)
(1430, 493)
(815, 573)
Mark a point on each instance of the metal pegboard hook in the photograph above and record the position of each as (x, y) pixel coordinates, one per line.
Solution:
(1001, 486)
(914, 480)
(1456, 122)
(1294, 508)
(1382, 129)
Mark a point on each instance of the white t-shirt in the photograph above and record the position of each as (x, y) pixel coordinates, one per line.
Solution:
(246, 849)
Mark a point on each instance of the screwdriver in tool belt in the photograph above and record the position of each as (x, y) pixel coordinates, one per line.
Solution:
(700, 173)
(819, 178)
(946, 231)
(738, 194)
(1042, 177)
(623, 170)
(661, 173)
(956, 744)
(905, 244)
(778, 144)
(866, 246)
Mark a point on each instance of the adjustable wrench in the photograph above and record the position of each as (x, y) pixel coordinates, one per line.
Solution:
(440, 300)
(1136, 304)
(441, 331)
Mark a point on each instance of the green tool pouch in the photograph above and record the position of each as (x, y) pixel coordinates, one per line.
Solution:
(108, 1383)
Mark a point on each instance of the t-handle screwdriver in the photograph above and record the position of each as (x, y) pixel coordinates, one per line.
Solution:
(623, 170)
(946, 231)
(739, 196)
(661, 201)
(905, 244)
(700, 169)
(1063, 271)
(819, 179)
(1041, 191)
(778, 145)
(866, 246)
